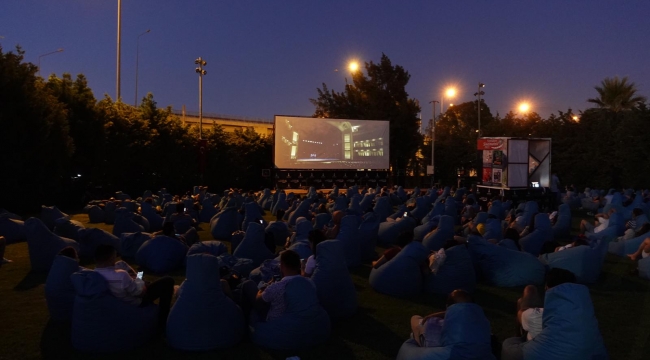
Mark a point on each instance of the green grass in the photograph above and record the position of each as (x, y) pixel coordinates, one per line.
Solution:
(622, 304)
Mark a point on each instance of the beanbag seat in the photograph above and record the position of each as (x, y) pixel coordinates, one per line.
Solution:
(203, 317)
(303, 227)
(109, 212)
(382, 208)
(445, 231)
(155, 221)
(569, 327)
(266, 199)
(422, 207)
(130, 243)
(421, 231)
(451, 209)
(504, 267)
(349, 237)
(401, 276)
(530, 209)
(438, 210)
(68, 228)
(533, 242)
(96, 214)
(465, 335)
(493, 229)
(304, 323)
(340, 203)
(49, 214)
(240, 265)
(321, 220)
(389, 231)
(161, 254)
(615, 228)
(13, 230)
(122, 196)
(584, 261)
(303, 250)
(214, 248)
(562, 226)
(497, 210)
(252, 246)
(508, 244)
(208, 210)
(334, 286)
(102, 323)
(366, 202)
(90, 238)
(401, 194)
(266, 271)
(368, 236)
(280, 231)
(59, 292)
(129, 205)
(644, 268)
(280, 204)
(457, 272)
(124, 223)
(43, 245)
(225, 223)
(252, 212)
(302, 210)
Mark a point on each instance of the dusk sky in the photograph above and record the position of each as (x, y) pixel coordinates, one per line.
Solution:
(268, 57)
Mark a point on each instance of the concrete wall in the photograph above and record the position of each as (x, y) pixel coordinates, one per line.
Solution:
(261, 127)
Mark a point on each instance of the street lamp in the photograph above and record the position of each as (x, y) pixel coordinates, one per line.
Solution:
(199, 70)
(478, 105)
(433, 139)
(524, 107)
(50, 53)
(137, 56)
(450, 93)
(353, 66)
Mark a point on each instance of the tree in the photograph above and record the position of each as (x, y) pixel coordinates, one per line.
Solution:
(379, 95)
(617, 95)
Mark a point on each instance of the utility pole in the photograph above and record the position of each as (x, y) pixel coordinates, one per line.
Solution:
(119, 48)
(199, 70)
(479, 93)
(433, 140)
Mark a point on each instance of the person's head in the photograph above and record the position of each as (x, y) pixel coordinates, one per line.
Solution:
(315, 237)
(105, 255)
(404, 238)
(531, 298)
(168, 229)
(149, 200)
(289, 263)
(557, 276)
(322, 209)
(279, 215)
(70, 252)
(180, 207)
(637, 212)
(512, 234)
(459, 296)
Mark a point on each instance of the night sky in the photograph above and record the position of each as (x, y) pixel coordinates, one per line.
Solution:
(268, 57)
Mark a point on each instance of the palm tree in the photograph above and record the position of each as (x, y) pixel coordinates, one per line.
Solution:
(617, 95)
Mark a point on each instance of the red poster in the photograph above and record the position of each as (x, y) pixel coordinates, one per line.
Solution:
(491, 144)
(487, 175)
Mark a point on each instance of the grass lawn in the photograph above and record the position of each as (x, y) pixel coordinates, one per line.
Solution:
(377, 331)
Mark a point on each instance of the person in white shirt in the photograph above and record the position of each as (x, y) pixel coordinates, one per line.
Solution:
(601, 222)
(126, 286)
(529, 313)
(315, 238)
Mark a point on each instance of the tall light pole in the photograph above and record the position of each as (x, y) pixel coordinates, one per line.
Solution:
(478, 105)
(137, 56)
(433, 140)
(50, 53)
(119, 49)
(199, 70)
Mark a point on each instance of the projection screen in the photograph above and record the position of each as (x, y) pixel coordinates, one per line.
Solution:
(313, 143)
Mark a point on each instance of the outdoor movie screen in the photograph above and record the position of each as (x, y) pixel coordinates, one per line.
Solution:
(314, 143)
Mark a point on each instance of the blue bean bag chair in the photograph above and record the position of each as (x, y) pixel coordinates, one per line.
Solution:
(203, 317)
(368, 234)
(457, 272)
(504, 267)
(382, 208)
(422, 208)
(465, 335)
(625, 247)
(155, 221)
(59, 292)
(401, 276)
(493, 229)
(570, 328)
(508, 244)
(280, 204)
(49, 214)
(266, 199)
(225, 223)
(562, 226)
(480, 218)
(533, 242)
(340, 203)
(102, 323)
(451, 209)
(13, 230)
(214, 248)
(130, 243)
(68, 228)
(401, 194)
(349, 238)
(321, 220)
(304, 323)
(208, 210)
(161, 254)
(301, 211)
(302, 229)
(497, 210)
(334, 285)
(43, 245)
(90, 238)
(303, 249)
(421, 231)
(280, 231)
(389, 231)
(584, 261)
(252, 246)
(109, 212)
(124, 223)
(438, 210)
(615, 228)
(530, 209)
(96, 214)
(366, 203)
(252, 213)
(445, 231)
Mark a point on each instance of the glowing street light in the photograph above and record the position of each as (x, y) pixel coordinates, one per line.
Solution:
(353, 66)
(575, 118)
(524, 107)
(450, 93)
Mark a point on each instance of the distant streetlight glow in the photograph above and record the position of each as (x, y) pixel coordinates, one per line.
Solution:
(353, 66)
(524, 107)
(575, 118)
(451, 92)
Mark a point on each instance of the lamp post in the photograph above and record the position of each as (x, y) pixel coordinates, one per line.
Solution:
(433, 139)
(119, 49)
(137, 56)
(199, 70)
(50, 53)
(478, 105)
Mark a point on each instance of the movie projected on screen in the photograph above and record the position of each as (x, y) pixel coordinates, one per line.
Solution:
(312, 143)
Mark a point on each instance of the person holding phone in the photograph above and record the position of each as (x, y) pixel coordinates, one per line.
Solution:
(271, 297)
(127, 286)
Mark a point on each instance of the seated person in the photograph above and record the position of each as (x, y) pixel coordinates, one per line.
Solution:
(403, 239)
(601, 222)
(530, 227)
(477, 230)
(577, 242)
(181, 214)
(270, 302)
(634, 225)
(530, 309)
(169, 231)
(3, 245)
(427, 331)
(315, 238)
(468, 211)
(124, 284)
(643, 251)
